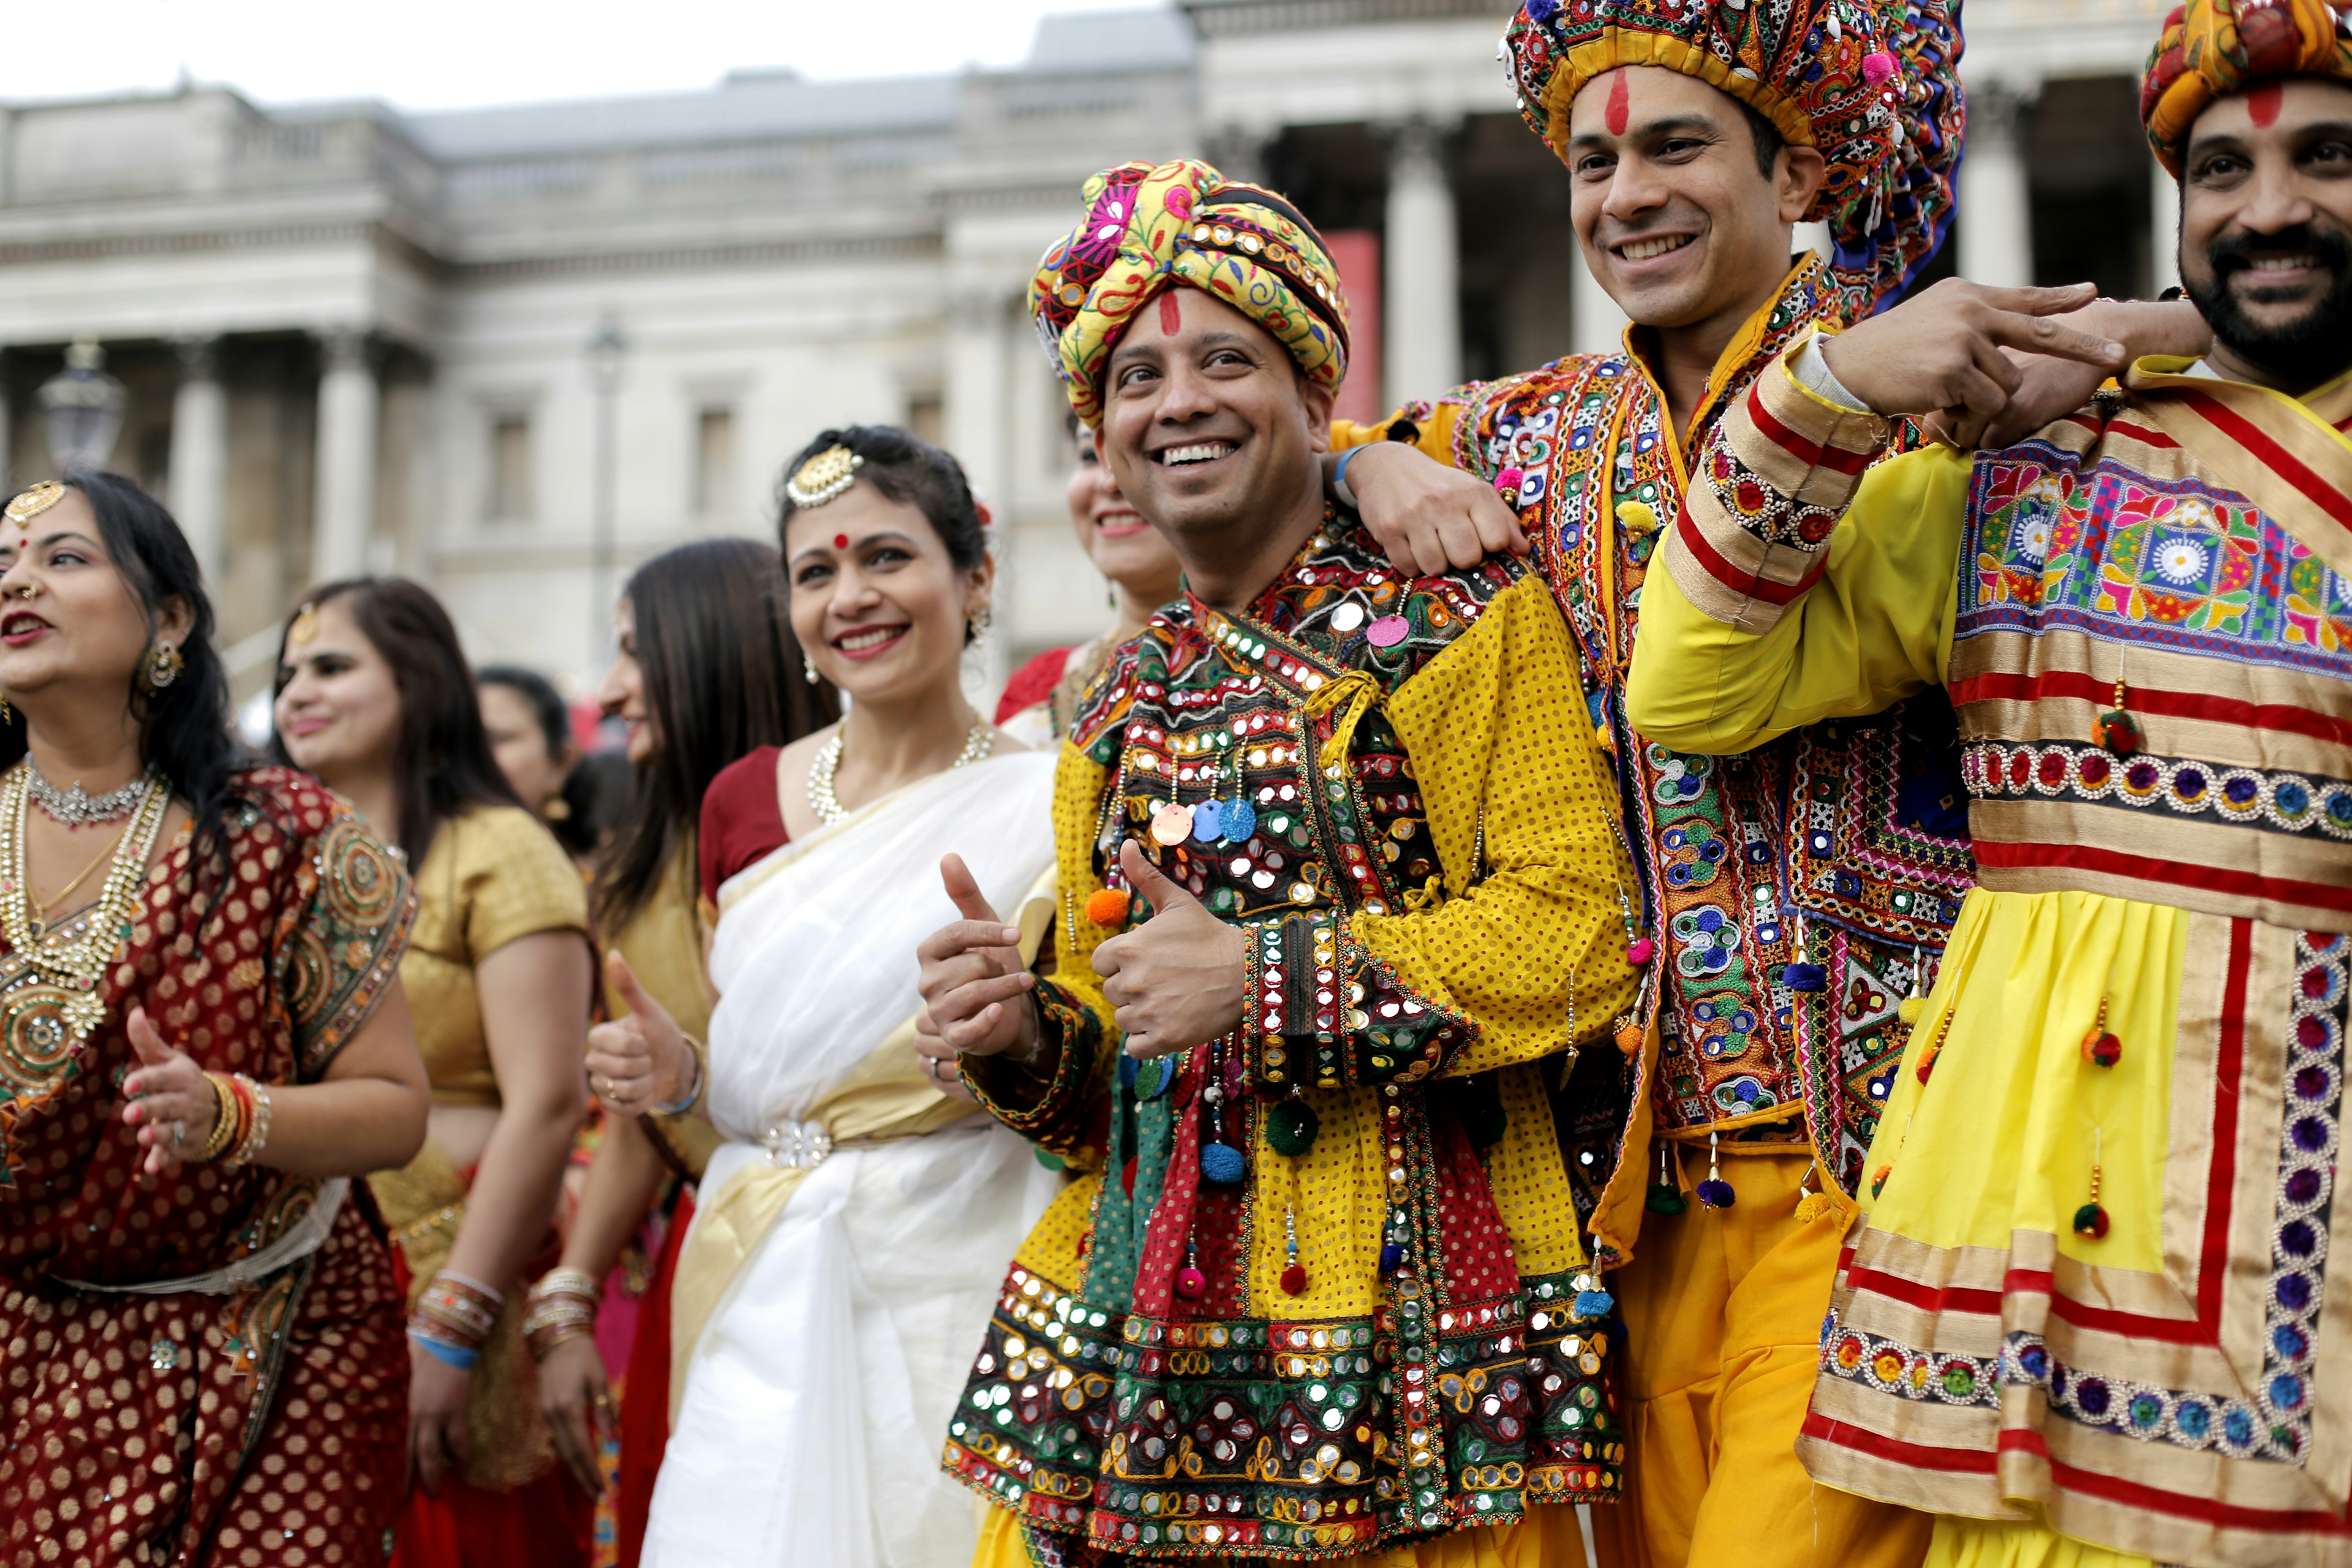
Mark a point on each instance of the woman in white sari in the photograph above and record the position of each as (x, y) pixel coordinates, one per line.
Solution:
(856, 1222)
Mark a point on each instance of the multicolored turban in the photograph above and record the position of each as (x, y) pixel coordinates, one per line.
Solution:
(1874, 84)
(2212, 48)
(1148, 228)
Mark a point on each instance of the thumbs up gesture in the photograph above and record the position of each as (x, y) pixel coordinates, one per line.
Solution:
(640, 1061)
(167, 1097)
(1177, 979)
(976, 991)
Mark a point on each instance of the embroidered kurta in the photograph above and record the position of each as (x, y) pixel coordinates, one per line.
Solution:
(267, 1423)
(1838, 847)
(1389, 785)
(2090, 1272)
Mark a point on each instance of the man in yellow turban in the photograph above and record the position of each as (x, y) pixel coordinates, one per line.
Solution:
(1338, 902)
(2089, 1313)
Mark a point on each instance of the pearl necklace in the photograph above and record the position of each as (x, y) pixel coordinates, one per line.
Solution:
(828, 805)
(77, 808)
(59, 970)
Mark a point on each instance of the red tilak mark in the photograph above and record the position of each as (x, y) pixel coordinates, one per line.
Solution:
(1620, 110)
(841, 542)
(2262, 103)
(1171, 320)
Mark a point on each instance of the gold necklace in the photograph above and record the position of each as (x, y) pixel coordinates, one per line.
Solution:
(51, 979)
(978, 742)
(41, 907)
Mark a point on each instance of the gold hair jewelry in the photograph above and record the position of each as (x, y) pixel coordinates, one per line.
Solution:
(823, 477)
(304, 626)
(31, 503)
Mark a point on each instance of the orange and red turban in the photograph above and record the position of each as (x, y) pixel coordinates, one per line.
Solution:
(2212, 48)
(1874, 84)
(1146, 229)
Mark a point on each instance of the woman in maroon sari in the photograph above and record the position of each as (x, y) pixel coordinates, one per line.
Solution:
(202, 1038)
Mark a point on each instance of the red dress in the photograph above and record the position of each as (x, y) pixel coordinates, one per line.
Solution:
(267, 1424)
(1034, 682)
(742, 825)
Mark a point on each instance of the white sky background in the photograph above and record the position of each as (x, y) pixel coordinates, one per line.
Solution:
(447, 54)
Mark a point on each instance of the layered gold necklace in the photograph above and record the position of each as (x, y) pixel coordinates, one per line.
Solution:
(51, 977)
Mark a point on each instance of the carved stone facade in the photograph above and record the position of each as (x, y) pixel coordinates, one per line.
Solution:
(356, 339)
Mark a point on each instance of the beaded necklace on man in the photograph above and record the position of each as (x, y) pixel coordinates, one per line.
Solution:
(59, 970)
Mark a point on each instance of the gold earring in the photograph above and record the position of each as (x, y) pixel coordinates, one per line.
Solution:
(162, 667)
(8, 714)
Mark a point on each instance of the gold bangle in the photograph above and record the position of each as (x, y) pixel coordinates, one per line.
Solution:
(225, 1120)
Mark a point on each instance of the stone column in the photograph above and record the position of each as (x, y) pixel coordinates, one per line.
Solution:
(1421, 313)
(7, 434)
(200, 455)
(343, 497)
(1996, 213)
(2163, 229)
(1595, 324)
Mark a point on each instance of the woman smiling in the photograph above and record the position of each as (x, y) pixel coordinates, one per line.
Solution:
(203, 1329)
(856, 1219)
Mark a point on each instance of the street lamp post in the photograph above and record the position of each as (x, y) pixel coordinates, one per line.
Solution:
(607, 350)
(81, 407)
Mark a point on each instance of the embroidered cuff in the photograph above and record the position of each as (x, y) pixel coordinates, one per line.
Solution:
(1292, 1021)
(1046, 1102)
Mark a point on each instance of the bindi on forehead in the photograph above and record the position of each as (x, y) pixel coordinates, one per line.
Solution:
(2262, 103)
(841, 542)
(1171, 315)
(1620, 106)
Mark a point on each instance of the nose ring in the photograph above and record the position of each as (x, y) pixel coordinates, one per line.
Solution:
(28, 591)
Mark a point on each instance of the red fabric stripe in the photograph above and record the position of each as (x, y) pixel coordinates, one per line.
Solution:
(2147, 435)
(2277, 459)
(1813, 454)
(1712, 562)
(1926, 1297)
(2211, 878)
(1917, 1456)
(2057, 683)
(2187, 1505)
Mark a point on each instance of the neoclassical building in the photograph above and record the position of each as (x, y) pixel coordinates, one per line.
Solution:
(514, 350)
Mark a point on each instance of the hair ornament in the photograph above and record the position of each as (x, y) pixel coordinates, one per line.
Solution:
(33, 503)
(824, 477)
(304, 626)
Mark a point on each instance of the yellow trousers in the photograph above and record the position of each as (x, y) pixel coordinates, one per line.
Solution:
(1723, 1312)
(1985, 1543)
(1547, 1538)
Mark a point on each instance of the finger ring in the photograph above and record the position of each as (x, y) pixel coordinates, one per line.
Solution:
(179, 1132)
(607, 1090)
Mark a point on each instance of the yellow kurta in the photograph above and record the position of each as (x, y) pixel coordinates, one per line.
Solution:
(2082, 1294)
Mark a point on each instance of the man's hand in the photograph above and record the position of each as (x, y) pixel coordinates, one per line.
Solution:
(977, 993)
(2051, 387)
(640, 1061)
(1176, 980)
(1426, 515)
(1942, 351)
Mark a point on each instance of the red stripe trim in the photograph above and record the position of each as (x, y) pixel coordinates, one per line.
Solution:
(2147, 435)
(1917, 1456)
(2173, 873)
(1812, 454)
(1738, 579)
(2058, 683)
(2273, 456)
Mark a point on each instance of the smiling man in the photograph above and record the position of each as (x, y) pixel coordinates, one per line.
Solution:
(2090, 1294)
(1339, 895)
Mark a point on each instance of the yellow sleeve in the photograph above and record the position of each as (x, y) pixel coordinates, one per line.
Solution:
(1434, 425)
(1519, 951)
(1803, 580)
(515, 879)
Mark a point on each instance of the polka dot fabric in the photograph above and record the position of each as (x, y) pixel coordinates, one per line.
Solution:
(264, 1426)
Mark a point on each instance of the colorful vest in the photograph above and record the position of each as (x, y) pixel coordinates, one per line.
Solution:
(1794, 895)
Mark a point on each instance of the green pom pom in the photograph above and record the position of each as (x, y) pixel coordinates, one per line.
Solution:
(1290, 1127)
(1665, 1199)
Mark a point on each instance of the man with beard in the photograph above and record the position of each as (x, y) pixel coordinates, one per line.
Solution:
(1322, 1296)
(2086, 1292)
(1791, 899)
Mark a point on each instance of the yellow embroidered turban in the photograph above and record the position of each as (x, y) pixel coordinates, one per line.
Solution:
(1148, 229)
(2212, 48)
(1874, 84)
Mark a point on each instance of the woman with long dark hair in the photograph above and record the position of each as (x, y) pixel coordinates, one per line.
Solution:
(373, 696)
(202, 1040)
(529, 731)
(707, 671)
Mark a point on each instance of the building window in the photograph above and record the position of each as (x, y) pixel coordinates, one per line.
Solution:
(714, 463)
(509, 497)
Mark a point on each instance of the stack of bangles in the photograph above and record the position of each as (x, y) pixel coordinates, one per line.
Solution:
(562, 1307)
(240, 1120)
(453, 1319)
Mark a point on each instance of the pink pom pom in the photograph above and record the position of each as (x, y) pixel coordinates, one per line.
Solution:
(1508, 481)
(1190, 1283)
(1876, 68)
(1638, 951)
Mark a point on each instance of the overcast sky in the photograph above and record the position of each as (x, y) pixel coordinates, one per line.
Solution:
(441, 54)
